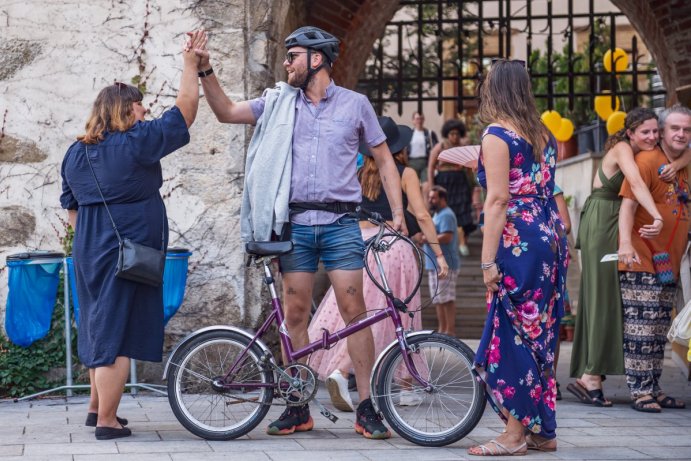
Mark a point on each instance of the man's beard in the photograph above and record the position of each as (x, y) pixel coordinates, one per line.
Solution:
(298, 79)
(434, 207)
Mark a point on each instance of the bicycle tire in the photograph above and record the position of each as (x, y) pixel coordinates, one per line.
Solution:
(450, 411)
(207, 412)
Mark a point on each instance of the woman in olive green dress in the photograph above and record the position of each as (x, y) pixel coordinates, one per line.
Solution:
(598, 337)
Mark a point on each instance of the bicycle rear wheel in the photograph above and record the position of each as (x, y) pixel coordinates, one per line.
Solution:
(450, 410)
(207, 410)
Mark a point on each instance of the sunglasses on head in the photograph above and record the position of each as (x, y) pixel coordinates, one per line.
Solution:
(519, 61)
(291, 55)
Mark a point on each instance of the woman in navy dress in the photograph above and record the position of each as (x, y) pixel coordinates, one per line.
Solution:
(524, 262)
(121, 319)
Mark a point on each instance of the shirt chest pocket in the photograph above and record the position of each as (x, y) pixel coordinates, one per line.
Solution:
(343, 129)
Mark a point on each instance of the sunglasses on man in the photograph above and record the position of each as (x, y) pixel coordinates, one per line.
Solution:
(291, 55)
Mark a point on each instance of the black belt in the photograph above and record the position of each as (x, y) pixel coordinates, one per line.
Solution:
(333, 207)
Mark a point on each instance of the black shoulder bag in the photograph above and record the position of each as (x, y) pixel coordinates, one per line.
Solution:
(136, 262)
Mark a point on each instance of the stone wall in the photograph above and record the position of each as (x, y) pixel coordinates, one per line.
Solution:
(56, 56)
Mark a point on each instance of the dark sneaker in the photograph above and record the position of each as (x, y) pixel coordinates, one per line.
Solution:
(369, 423)
(293, 419)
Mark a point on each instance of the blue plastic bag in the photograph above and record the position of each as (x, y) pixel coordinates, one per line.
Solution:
(33, 287)
(174, 281)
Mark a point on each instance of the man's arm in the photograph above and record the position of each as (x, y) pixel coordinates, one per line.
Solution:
(391, 182)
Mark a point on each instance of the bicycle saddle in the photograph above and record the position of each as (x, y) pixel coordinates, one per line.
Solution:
(268, 248)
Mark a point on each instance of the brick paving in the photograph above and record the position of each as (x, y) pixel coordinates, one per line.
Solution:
(52, 430)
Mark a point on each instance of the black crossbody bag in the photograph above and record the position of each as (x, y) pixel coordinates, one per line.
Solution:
(136, 262)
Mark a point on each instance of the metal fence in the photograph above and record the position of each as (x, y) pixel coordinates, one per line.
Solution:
(439, 50)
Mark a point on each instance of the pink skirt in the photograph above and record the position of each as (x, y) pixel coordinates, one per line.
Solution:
(401, 268)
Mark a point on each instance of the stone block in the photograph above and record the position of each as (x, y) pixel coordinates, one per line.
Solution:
(15, 54)
(14, 150)
(17, 224)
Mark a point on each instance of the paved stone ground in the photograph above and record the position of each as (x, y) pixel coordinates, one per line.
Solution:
(52, 430)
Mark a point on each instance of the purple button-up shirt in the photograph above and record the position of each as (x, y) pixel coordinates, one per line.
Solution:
(325, 146)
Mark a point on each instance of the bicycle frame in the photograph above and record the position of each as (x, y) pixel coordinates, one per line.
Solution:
(328, 339)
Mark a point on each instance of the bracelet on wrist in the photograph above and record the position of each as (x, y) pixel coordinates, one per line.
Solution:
(432, 243)
(657, 219)
(488, 265)
(205, 73)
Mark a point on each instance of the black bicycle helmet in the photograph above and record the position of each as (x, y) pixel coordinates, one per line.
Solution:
(314, 38)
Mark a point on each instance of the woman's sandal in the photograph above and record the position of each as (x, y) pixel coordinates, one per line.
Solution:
(593, 397)
(499, 449)
(545, 445)
(640, 405)
(671, 402)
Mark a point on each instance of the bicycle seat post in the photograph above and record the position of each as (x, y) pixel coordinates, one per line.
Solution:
(269, 278)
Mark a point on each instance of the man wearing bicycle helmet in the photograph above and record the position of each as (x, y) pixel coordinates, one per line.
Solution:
(328, 123)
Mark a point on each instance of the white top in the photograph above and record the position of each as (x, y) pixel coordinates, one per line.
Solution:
(417, 145)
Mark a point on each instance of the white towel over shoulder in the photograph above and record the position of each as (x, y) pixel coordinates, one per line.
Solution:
(268, 167)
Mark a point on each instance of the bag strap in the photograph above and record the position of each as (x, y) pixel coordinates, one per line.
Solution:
(105, 204)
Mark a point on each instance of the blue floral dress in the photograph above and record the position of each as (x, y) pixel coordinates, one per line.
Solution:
(517, 347)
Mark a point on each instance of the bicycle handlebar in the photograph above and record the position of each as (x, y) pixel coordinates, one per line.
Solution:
(377, 243)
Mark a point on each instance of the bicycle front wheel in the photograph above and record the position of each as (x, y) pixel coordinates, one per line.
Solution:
(207, 409)
(446, 412)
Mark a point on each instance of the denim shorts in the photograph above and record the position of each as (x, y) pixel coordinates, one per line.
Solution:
(339, 245)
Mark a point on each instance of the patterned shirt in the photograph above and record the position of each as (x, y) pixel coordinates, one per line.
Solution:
(325, 146)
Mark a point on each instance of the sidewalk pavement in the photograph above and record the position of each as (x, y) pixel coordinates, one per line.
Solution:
(52, 430)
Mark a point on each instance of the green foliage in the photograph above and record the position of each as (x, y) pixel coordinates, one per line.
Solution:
(26, 370)
(438, 47)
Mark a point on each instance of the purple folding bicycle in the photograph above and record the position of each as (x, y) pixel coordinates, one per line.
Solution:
(222, 380)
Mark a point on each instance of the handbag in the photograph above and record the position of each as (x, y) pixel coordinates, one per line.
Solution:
(662, 262)
(680, 331)
(136, 262)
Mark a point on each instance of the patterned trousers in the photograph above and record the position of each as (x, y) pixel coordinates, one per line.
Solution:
(647, 317)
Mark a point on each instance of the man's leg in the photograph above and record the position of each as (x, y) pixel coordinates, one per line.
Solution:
(449, 309)
(347, 285)
(297, 304)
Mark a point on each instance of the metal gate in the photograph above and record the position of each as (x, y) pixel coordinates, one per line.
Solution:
(439, 50)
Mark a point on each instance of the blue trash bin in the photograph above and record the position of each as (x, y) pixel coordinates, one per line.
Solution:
(33, 287)
(174, 280)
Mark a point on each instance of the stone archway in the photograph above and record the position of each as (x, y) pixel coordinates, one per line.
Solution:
(358, 23)
(665, 26)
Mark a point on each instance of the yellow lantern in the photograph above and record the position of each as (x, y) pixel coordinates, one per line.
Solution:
(621, 60)
(565, 131)
(615, 122)
(552, 120)
(603, 106)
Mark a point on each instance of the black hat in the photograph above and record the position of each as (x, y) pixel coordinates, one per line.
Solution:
(397, 136)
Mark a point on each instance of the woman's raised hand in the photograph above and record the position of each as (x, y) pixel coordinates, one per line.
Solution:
(196, 45)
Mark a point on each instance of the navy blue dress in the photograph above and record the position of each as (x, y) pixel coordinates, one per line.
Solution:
(119, 317)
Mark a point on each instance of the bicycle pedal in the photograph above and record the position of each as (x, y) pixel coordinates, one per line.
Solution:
(325, 412)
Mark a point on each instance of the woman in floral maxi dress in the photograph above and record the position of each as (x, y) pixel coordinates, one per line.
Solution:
(524, 261)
